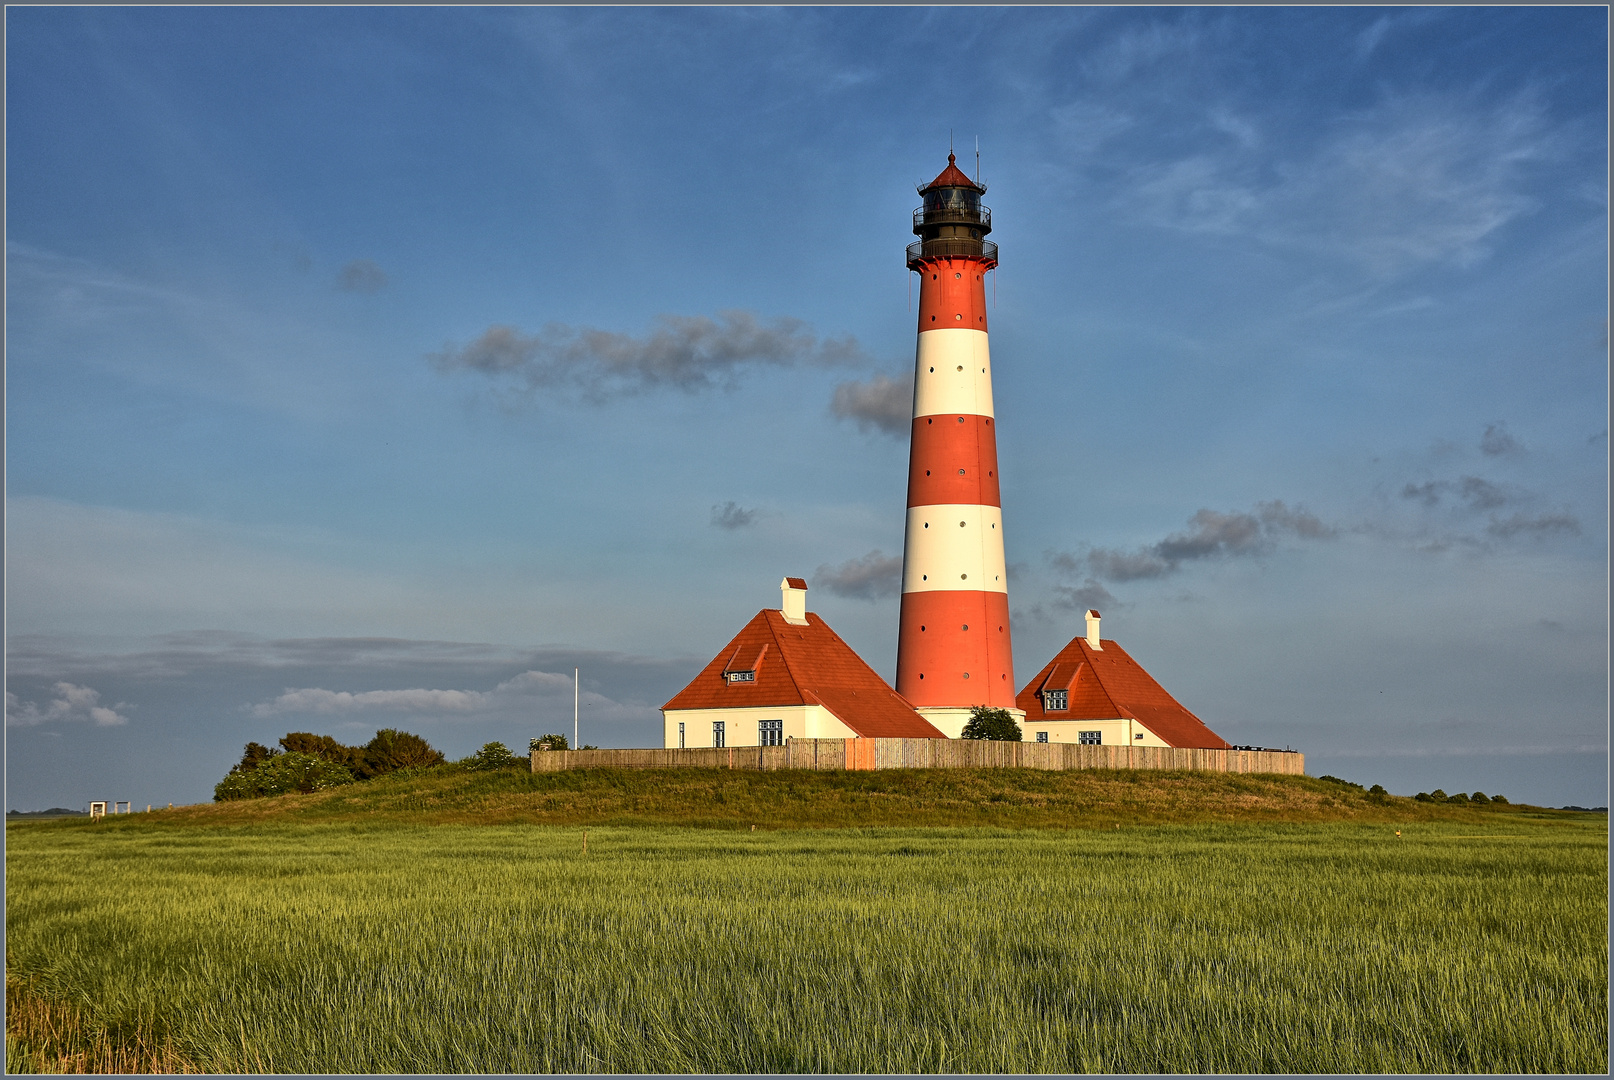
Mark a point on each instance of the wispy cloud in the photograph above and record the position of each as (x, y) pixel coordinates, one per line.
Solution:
(70, 703)
(872, 577)
(1211, 533)
(689, 353)
(731, 515)
(1414, 180)
(1541, 525)
(882, 404)
(361, 276)
(314, 701)
(1496, 441)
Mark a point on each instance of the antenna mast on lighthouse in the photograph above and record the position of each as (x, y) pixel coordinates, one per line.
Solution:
(953, 647)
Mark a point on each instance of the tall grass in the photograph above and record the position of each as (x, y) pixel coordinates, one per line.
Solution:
(1295, 948)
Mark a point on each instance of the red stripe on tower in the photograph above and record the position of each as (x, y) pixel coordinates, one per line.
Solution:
(953, 647)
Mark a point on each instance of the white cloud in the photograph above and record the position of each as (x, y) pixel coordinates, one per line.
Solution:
(1412, 181)
(72, 703)
(514, 694)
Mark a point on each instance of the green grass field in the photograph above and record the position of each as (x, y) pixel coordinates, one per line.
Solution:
(1476, 944)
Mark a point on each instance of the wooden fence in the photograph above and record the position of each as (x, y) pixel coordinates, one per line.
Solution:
(835, 754)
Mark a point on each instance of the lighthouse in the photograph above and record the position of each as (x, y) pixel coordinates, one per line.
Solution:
(953, 644)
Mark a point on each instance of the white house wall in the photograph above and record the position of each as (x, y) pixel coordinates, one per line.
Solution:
(740, 725)
(1118, 732)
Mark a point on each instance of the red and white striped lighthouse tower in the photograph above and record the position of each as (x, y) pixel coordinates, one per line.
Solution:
(953, 647)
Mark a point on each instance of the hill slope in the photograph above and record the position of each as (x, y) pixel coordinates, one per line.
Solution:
(722, 798)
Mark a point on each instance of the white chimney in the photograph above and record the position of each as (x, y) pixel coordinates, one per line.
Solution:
(794, 605)
(1092, 631)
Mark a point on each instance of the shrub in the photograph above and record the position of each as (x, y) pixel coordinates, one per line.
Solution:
(1479, 797)
(254, 755)
(1458, 799)
(1423, 796)
(493, 755)
(549, 742)
(1377, 789)
(281, 775)
(1437, 795)
(323, 746)
(1499, 799)
(996, 725)
(392, 749)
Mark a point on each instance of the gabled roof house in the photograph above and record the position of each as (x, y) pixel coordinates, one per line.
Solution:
(786, 674)
(1093, 692)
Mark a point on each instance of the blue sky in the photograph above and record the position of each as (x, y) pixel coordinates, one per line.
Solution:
(375, 367)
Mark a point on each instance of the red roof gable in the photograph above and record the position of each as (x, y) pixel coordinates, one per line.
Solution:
(952, 176)
(806, 665)
(1109, 684)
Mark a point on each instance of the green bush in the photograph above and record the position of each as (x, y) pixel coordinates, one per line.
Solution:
(493, 755)
(1499, 799)
(255, 755)
(1437, 796)
(1423, 796)
(1377, 789)
(392, 749)
(1479, 797)
(281, 775)
(548, 742)
(995, 725)
(1458, 799)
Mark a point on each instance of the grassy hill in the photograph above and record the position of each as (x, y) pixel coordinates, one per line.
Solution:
(721, 798)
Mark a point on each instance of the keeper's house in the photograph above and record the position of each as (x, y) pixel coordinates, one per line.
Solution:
(788, 675)
(1093, 692)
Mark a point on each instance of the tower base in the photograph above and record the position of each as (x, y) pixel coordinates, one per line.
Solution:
(950, 720)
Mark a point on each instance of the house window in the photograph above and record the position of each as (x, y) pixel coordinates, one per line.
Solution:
(771, 732)
(740, 676)
(1042, 736)
(1090, 738)
(717, 733)
(680, 734)
(1055, 700)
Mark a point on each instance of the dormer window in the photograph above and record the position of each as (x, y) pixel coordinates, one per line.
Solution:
(1055, 700)
(743, 669)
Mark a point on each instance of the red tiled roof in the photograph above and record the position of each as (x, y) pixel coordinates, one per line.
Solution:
(796, 583)
(1109, 684)
(807, 665)
(952, 176)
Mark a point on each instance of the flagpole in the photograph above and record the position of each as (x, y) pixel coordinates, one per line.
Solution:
(575, 680)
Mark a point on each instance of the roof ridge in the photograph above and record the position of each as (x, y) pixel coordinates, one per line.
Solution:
(784, 653)
(1087, 651)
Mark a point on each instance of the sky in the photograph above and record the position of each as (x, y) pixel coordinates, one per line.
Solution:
(377, 367)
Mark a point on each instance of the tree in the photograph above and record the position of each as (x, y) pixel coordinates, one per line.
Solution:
(1377, 789)
(493, 755)
(281, 775)
(1479, 797)
(996, 725)
(548, 742)
(323, 746)
(392, 749)
(255, 754)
